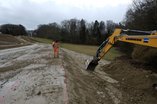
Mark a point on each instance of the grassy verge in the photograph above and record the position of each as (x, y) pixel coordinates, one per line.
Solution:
(91, 50)
(42, 40)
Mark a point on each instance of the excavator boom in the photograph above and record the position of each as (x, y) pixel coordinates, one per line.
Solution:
(118, 35)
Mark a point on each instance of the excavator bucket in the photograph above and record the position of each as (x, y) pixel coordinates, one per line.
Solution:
(91, 66)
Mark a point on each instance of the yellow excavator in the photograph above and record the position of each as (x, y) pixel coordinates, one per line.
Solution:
(149, 39)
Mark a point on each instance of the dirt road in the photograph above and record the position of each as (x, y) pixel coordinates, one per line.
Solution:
(30, 75)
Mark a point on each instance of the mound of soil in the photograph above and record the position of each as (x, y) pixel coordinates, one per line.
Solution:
(9, 41)
(28, 39)
(135, 82)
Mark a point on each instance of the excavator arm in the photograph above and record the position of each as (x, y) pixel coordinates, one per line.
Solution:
(145, 40)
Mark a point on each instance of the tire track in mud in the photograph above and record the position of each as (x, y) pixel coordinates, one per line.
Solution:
(39, 78)
(14, 59)
(88, 87)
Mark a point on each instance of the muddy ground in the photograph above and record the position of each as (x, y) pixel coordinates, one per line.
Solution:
(30, 75)
(136, 80)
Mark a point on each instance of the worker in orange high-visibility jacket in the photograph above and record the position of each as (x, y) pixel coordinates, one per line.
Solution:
(55, 46)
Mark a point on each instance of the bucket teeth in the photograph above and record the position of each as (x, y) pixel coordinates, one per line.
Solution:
(92, 65)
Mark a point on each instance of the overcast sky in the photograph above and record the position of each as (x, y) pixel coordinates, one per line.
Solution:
(31, 13)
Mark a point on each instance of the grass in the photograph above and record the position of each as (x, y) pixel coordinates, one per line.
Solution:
(112, 54)
(85, 49)
(42, 40)
(91, 50)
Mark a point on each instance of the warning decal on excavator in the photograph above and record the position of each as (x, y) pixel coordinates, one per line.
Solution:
(145, 40)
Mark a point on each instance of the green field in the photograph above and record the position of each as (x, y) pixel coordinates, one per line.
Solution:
(42, 40)
(91, 50)
(85, 49)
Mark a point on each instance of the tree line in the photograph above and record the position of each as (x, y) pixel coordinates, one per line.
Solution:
(13, 29)
(77, 31)
(71, 31)
(142, 15)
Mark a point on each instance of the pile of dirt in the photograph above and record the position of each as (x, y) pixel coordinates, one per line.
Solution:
(145, 55)
(135, 82)
(9, 41)
(28, 39)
